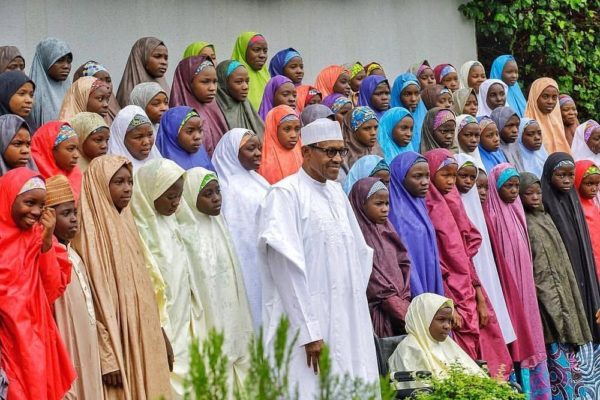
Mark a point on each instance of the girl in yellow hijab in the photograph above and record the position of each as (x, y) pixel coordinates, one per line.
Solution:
(250, 49)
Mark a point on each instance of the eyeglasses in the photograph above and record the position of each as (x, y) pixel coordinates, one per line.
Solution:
(331, 152)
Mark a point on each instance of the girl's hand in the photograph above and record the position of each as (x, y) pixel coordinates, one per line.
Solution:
(598, 317)
(457, 320)
(48, 221)
(482, 308)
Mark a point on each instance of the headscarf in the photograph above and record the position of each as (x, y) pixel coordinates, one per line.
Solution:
(118, 131)
(508, 234)
(483, 110)
(514, 95)
(167, 142)
(9, 126)
(352, 121)
(354, 68)
(500, 116)
(433, 119)
(460, 98)
(372, 66)
(417, 69)
(336, 101)
(314, 112)
(327, 78)
(533, 161)
(135, 70)
(277, 161)
(567, 214)
(430, 94)
(90, 68)
(564, 99)
(42, 144)
(10, 82)
(194, 49)
(489, 158)
(441, 70)
(304, 94)
(215, 125)
(281, 59)
(367, 87)
(76, 98)
(49, 94)
(269, 94)
(388, 291)
(237, 114)
(385, 133)
(580, 148)
(364, 167)
(258, 79)
(461, 122)
(7, 54)
(409, 217)
(402, 82)
(463, 74)
(554, 138)
(143, 93)
(85, 124)
(591, 209)
(419, 351)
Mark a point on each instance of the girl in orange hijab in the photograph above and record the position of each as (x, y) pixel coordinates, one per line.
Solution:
(281, 155)
(587, 179)
(333, 79)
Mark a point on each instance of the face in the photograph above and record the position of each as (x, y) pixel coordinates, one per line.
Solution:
(469, 137)
(66, 221)
(27, 208)
(532, 197)
(482, 186)
(416, 180)
(21, 102)
(496, 96)
(444, 101)
(510, 73)
(366, 134)
(339, 116)
(444, 134)
(208, 52)
(445, 179)
(96, 144)
(440, 326)
(98, 101)
(357, 80)
(316, 99)
(588, 189)
(18, 153)
(59, 71)
(490, 140)
(451, 81)
(563, 178)
(342, 85)
(427, 78)
(104, 77)
(381, 97)
(532, 137)
(402, 133)
(139, 141)
(286, 95)
(288, 134)
(476, 77)
(510, 132)
(17, 64)
(238, 84)
(319, 165)
(204, 85)
(510, 190)
(120, 187)
(157, 107)
(569, 113)
(410, 97)
(594, 141)
(548, 100)
(157, 63)
(66, 154)
(471, 105)
(377, 207)
(209, 199)
(249, 154)
(465, 178)
(294, 70)
(383, 175)
(166, 204)
(256, 54)
(191, 135)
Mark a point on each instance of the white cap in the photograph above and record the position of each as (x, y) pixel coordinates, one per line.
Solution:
(321, 130)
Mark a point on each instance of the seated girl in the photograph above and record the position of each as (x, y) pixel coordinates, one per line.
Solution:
(93, 133)
(15, 141)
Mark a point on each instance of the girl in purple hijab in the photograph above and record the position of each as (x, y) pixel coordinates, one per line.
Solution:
(408, 186)
(375, 93)
(279, 91)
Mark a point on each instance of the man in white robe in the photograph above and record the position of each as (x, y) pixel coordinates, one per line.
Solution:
(316, 265)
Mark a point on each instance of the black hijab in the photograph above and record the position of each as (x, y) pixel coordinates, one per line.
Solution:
(10, 82)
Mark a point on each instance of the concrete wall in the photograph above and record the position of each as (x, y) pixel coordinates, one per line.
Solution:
(396, 33)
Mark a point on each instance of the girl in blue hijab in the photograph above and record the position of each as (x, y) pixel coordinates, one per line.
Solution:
(390, 146)
(489, 144)
(364, 167)
(532, 149)
(375, 93)
(287, 62)
(408, 85)
(506, 69)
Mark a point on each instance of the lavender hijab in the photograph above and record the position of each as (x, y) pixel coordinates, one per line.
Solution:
(269, 95)
(367, 87)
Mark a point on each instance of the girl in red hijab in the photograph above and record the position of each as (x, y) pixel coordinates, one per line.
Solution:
(587, 179)
(32, 276)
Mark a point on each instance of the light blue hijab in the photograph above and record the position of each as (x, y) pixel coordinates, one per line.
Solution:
(533, 161)
(385, 134)
(364, 167)
(401, 83)
(514, 96)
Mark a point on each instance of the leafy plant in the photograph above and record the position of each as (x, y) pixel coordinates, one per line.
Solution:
(554, 38)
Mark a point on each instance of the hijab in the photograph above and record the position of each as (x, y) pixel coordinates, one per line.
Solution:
(167, 141)
(237, 114)
(367, 88)
(419, 68)
(430, 94)
(483, 109)
(258, 79)
(194, 49)
(143, 93)
(409, 217)
(569, 218)
(182, 94)
(402, 82)
(461, 122)
(10, 83)
(118, 131)
(280, 60)
(514, 95)
(135, 70)
(591, 209)
(9, 126)
(500, 116)
(460, 98)
(580, 148)
(304, 94)
(385, 133)
(352, 121)
(91, 68)
(563, 100)
(85, 124)
(327, 77)
(269, 95)
(7, 54)
(49, 94)
(76, 98)
(314, 112)
(463, 75)
(533, 161)
(434, 118)
(489, 158)
(336, 102)
(441, 70)
(277, 161)
(364, 167)
(43, 142)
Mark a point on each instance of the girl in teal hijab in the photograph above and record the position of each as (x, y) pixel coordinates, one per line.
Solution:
(407, 84)
(406, 139)
(506, 69)
(250, 49)
(369, 165)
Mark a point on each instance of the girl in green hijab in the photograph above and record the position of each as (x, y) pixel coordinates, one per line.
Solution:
(250, 49)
